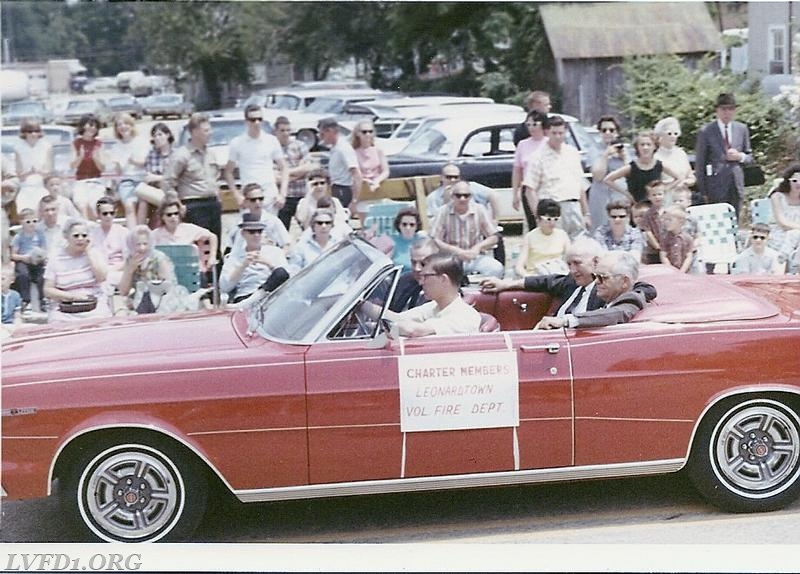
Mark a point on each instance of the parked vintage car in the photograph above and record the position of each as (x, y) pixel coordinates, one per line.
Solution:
(482, 145)
(168, 105)
(18, 111)
(303, 395)
(125, 103)
(78, 108)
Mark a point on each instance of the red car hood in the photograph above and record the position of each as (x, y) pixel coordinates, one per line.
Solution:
(42, 352)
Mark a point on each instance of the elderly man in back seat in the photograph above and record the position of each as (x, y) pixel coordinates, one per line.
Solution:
(572, 293)
(615, 277)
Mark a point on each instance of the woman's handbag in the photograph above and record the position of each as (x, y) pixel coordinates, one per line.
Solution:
(81, 306)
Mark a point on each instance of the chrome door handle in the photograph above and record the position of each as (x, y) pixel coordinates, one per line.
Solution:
(551, 348)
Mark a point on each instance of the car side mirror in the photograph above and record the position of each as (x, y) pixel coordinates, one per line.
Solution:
(388, 331)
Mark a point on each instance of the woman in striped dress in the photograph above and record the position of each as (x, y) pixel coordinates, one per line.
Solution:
(74, 275)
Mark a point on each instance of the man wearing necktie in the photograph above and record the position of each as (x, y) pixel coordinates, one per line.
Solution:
(615, 277)
(723, 147)
(573, 293)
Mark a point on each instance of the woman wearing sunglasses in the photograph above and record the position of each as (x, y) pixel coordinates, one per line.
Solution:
(319, 188)
(785, 231)
(74, 275)
(371, 160)
(667, 131)
(310, 246)
(613, 157)
(33, 156)
(543, 248)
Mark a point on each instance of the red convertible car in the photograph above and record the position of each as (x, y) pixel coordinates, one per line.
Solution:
(303, 394)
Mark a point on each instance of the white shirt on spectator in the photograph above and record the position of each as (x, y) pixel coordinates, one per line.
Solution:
(342, 160)
(255, 157)
(556, 175)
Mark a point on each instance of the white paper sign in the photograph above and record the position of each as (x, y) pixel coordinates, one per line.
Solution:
(451, 391)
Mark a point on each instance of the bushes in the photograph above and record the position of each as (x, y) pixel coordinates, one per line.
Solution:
(660, 86)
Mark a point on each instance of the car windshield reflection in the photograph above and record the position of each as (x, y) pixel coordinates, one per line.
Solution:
(297, 310)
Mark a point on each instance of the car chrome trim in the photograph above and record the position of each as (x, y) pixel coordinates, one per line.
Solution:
(148, 373)
(460, 481)
(190, 447)
(697, 333)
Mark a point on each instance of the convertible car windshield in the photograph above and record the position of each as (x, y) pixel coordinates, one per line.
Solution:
(305, 305)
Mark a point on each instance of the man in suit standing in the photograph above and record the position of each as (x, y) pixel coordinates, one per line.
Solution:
(723, 147)
(615, 279)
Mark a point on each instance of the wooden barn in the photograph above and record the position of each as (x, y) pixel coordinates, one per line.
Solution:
(588, 40)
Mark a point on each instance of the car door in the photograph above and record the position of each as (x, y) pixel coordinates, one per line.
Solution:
(545, 435)
(486, 156)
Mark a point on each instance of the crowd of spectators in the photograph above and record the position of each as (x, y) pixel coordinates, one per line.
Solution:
(85, 244)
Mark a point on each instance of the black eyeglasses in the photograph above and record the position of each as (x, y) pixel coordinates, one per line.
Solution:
(462, 195)
(106, 213)
(762, 237)
(367, 131)
(323, 222)
(32, 131)
(624, 216)
(256, 198)
(317, 183)
(81, 235)
(608, 130)
(173, 214)
(253, 231)
(603, 277)
(255, 120)
(452, 176)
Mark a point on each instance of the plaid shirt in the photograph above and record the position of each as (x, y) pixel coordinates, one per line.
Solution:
(156, 162)
(466, 230)
(295, 153)
(631, 240)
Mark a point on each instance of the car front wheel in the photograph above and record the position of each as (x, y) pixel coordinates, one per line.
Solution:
(137, 493)
(746, 457)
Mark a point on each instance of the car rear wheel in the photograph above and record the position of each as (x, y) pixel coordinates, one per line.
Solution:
(136, 492)
(746, 457)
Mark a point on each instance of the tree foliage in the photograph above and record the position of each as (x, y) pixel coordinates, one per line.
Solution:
(661, 86)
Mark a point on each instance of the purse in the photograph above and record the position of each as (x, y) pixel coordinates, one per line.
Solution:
(81, 306)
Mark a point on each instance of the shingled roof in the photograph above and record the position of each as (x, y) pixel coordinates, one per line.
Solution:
(617, 29)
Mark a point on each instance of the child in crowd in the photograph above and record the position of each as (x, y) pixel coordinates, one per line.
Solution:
(758, 259)
(651, 222)
(11, 300)
(683, 197)
(28, 252)
(66, 208)
(677, 246)
(637, 213)
(543, 248)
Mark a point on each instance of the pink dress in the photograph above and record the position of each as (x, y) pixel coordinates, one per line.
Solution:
(369, 162)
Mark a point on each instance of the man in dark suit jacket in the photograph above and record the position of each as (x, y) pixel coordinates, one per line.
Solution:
(570, 292)
(723, 147)
(408, 293)
(615, 278)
